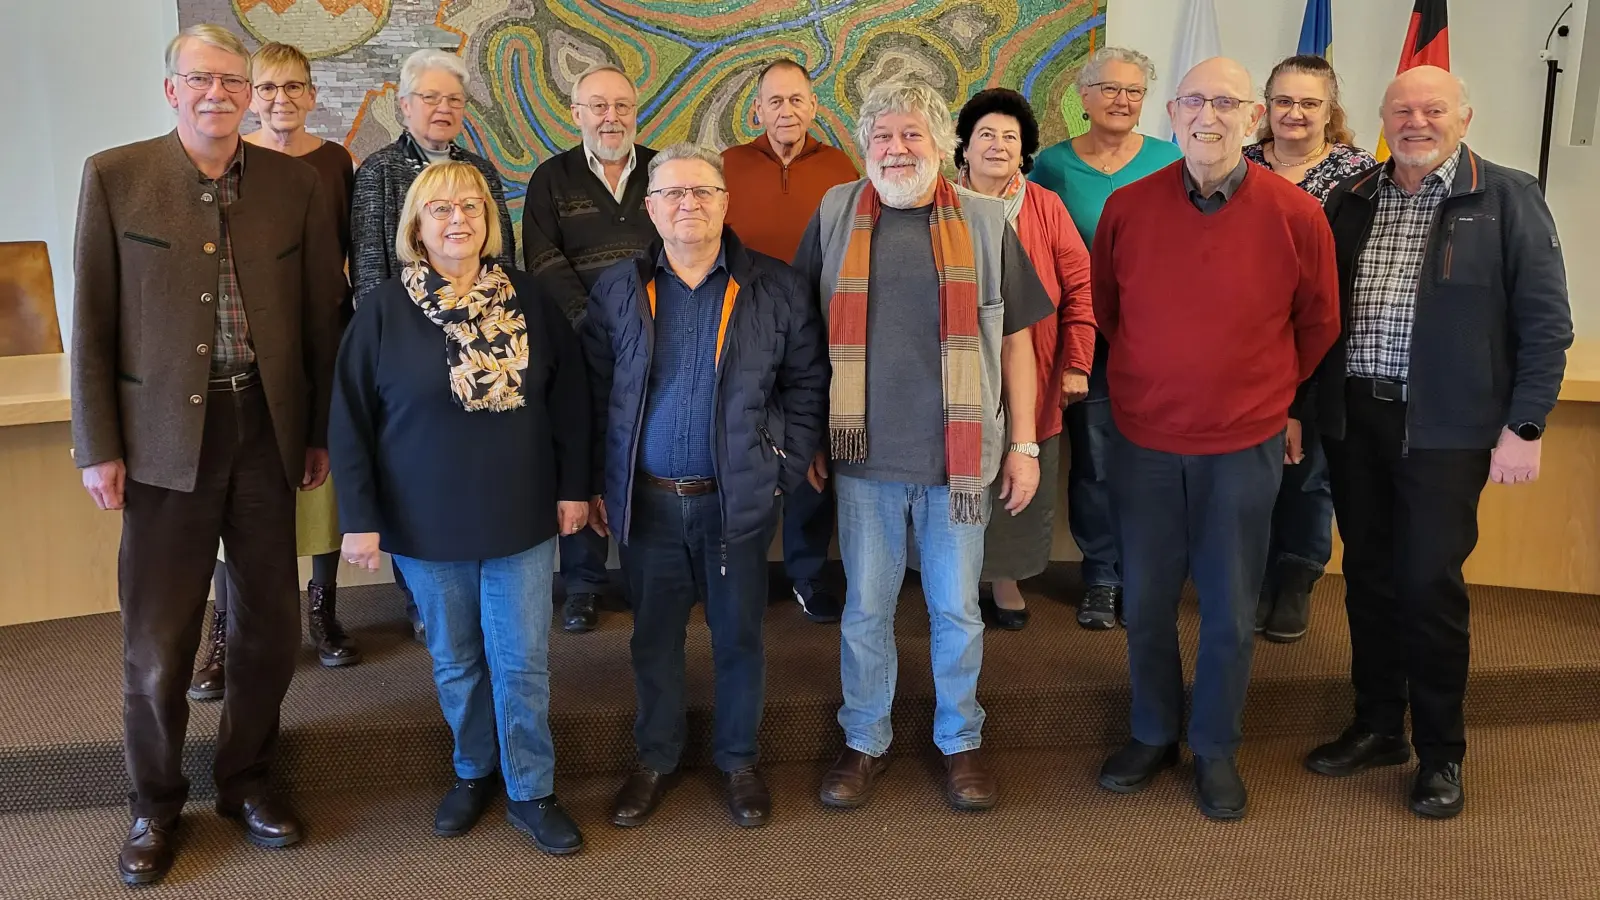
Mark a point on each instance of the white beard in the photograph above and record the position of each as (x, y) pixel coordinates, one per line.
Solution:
(607, 154)
(904, 194)
(1417, 160)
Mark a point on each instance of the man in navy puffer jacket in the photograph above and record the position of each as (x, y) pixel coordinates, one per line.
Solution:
(709, 376)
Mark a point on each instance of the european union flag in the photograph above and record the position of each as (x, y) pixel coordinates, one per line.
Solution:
(1316, 29)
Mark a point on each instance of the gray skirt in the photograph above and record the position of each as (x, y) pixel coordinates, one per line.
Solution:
(1018, 547)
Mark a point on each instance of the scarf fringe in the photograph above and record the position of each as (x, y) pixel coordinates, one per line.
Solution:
(966, 507)
(848, 445)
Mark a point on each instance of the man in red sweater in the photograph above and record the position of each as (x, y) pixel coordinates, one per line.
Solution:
(1216, 288)
(775, 184)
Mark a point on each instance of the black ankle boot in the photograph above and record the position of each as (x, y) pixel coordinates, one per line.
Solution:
(334, 647)
(208, 683)
(1291, 608)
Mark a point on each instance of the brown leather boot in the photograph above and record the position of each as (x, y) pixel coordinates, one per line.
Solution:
(208, 683)
(968, 782)
(848, 784)
(334, 647)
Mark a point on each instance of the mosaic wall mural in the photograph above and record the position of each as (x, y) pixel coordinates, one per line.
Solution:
(695, 61)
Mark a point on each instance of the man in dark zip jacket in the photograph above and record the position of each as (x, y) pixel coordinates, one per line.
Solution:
(709, 373)
(1453, 300)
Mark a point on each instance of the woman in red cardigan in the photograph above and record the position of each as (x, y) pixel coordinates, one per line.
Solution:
(997, 137)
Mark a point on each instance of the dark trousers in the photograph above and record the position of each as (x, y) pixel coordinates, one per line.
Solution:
(583, 562)
(1409, 522)
(1302, 518)
(169, 547)
(673, 557)
(1089, 430)
(1205, 516)
(807, 530)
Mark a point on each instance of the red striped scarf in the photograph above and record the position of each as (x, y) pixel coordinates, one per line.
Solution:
(958, 347)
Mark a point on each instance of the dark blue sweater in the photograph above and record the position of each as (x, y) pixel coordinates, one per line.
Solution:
(437, 482)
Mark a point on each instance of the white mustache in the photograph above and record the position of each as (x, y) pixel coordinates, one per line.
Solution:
(903, 159)
(226, 107)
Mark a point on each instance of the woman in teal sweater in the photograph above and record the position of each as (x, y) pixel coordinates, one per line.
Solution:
(1084, 171)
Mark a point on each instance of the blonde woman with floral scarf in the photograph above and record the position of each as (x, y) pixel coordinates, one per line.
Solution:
(998, 137)
(450, 383)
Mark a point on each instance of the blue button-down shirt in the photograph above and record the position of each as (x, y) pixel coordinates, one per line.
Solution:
(676, 441)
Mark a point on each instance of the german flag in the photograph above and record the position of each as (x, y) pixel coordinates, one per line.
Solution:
(1427, 44)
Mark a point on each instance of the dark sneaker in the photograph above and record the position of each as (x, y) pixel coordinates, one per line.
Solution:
(819, 604)
(1098, 612)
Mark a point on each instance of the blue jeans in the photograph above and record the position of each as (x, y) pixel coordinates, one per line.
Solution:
(583, 563)
(1302, 518)
(807, 530)
(873, 520)
(488, 631)
(1089, 430)
(674, 556)
(1207, 516)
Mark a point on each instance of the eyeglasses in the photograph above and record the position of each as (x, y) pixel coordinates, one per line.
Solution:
(1110, 90)
(600, 108)
(294, 90)
(434, 98)
(202, 81)
(704, 193)
(472, 207)
(1284, 104)
(1196, 102)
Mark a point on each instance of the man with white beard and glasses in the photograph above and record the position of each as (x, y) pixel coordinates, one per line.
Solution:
(927, 294)
(583, 213)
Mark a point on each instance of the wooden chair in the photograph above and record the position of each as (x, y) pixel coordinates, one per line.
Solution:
(28, 322)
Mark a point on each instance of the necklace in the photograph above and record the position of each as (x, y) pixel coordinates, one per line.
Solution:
(1305, 161)
(1109, 162)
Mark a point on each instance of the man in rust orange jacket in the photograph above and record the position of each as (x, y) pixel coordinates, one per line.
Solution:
(775, 184)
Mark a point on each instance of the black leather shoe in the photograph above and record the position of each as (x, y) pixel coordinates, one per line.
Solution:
(578, 614)
(552, 830)
(334, 647)
(1291, 607)
(1098, 611)
(1436, 793)
(209, 683)
(1219, 791)
(1132, 768)
(146, 855)
(267, 820)
(463, 806)
(749, 802)
(817, 602)
(640, 795)
(1356, 751)
(1000, 617)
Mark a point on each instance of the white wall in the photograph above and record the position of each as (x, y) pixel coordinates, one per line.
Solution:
(88, 76)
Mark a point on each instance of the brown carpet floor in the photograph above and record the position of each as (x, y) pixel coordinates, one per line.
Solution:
(1536, 659)
(1530, 832)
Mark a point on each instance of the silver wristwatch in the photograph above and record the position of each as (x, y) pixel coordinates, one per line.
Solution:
(1029, 449)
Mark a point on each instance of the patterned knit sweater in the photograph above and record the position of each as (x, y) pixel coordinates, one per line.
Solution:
(573, 229)
(381, 185)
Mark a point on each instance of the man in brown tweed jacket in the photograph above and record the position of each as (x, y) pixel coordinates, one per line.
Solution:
(208, 279)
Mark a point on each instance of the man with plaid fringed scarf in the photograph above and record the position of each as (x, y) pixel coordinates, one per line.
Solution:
(927, 294)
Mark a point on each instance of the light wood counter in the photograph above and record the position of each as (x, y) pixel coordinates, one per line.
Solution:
(58, 553)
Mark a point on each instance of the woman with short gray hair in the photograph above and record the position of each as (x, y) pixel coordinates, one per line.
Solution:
(1084, 171)
(432, 104)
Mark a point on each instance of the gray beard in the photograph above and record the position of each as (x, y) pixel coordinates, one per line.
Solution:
(905, 194)
(606, 154)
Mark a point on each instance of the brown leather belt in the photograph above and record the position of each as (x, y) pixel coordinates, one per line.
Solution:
(687, 487)
(236, 383)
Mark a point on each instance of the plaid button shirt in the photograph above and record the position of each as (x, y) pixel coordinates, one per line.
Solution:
(231, 353)
(1389, 271)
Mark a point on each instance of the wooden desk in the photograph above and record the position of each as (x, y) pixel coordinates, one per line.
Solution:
(58, 552)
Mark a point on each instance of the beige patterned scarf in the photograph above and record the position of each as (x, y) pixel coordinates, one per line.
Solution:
(487, 340)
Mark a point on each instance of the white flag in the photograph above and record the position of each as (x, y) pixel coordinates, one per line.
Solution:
(1198, 41)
